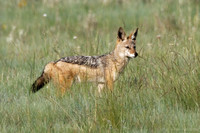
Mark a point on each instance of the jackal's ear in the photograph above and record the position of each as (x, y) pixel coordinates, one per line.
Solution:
(121, 35)
(133, 35)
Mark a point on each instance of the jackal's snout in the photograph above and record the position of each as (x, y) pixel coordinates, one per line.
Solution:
(136, 54)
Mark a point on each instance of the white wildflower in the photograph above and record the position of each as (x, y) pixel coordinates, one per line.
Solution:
(78, 48)
(190, 38)
(158, 36)
(44, 15)
(75, 37)
(149, 44)
(9, 39)
(21, 32)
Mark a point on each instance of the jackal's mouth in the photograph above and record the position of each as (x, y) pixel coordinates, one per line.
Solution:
(132, 55)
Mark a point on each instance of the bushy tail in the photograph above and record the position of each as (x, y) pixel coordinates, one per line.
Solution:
(40, 82)
(43, 79)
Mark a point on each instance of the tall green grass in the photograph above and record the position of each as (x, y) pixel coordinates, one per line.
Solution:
(158, 92)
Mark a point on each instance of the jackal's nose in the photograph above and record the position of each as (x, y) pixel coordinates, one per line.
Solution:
(136, 54)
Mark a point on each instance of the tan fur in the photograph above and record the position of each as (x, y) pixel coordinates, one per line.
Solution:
(64, 74)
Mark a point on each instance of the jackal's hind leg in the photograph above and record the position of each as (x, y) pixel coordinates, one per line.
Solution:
(63, 83)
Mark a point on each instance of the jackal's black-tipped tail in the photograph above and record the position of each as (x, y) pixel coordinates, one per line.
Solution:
(39, 83)
(43, 79)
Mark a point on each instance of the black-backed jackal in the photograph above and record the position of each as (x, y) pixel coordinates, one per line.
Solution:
(103, 70)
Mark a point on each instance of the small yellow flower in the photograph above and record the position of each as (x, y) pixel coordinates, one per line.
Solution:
(4, 27)
(22, 3)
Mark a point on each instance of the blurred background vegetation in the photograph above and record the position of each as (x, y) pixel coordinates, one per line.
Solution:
(158, 91)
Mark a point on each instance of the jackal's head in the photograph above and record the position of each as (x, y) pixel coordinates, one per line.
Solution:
(126, 46)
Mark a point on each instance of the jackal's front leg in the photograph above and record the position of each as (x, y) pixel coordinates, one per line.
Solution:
(109, 80)
(110, 85)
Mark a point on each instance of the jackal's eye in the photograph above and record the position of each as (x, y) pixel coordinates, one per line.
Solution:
(127, 47)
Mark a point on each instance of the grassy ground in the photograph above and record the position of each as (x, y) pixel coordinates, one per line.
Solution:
(158, 91)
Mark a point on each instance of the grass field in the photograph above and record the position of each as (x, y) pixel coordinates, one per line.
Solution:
(158, 91)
